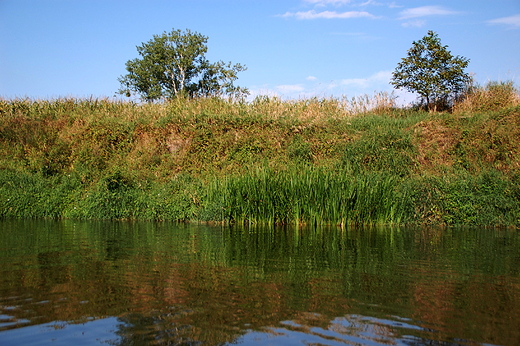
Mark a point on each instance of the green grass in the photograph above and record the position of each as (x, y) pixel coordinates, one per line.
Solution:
(305, 195)
(314, 161)
(489, 198)
(113, 197)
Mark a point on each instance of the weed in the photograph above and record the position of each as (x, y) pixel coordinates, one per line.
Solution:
(492, 97)
(313, 161)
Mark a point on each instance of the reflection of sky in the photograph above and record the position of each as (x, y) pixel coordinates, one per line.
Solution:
(344, 330)
(97, 332)
(214, 283)
(351, 329)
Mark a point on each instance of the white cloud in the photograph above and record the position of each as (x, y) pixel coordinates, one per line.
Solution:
(290, 88)
(382, 77)
(394, 5)
(328, 15)
(370, 2)
(335, 88)
(328, 2)
(285, 91)
(415, 23)
(513, 21)
(425, 11)
(337, 3)
(404, 97)
(264, 90)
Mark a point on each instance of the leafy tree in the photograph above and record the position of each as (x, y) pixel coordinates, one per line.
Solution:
(431, 71)
(174, 64)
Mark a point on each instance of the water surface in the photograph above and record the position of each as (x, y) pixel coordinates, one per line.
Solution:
(121, 283)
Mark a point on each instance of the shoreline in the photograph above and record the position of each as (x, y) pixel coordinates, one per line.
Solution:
(265, 162)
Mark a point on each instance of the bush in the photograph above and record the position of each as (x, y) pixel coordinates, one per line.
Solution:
(492, 97)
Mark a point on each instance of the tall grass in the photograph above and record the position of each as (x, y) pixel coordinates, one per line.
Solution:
(379, 103)
(310, 195)
(161, 140)
(493, 96)
(313, 161)
(25, 195)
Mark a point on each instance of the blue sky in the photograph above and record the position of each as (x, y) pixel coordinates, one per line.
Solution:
(300, 48)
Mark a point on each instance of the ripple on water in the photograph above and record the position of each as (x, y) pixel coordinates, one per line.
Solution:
(349, 329)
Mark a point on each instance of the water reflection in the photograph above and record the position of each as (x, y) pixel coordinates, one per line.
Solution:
(150, 283)
(88, 332)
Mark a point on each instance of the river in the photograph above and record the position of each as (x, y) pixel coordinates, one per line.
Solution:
(142, 283)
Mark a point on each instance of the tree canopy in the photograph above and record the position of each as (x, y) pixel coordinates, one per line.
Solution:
(174, 64)
(431, 71)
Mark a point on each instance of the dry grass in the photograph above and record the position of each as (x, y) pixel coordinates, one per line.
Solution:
(191, 135)
(481, 141)
(136, 152)
(274, 108)
(434, 142)
(379, 103)
(493, 96)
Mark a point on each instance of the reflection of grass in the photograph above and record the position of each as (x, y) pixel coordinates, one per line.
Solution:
(183, 160)
(186, 282)
(57, 326)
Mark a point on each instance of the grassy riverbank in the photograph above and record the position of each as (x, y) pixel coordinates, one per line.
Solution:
(315, 161)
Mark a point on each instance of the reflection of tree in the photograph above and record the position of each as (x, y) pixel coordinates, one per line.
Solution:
(201, 284)
(158, 329)
(475, 307)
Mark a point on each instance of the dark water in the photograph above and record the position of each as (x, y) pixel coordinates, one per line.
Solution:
(83, 283)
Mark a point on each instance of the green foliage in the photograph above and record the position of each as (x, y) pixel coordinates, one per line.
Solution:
(174, 64)
(112, 197)
(213, 159)
(489, 199)
(305, 195)
(386, 150)
(299, 150)
(431, 71)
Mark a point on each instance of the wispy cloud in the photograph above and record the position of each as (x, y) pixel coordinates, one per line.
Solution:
(426, 11)
(264, 90)
(419, 23)
(328, 15)
(328, 2)
(375, 79)
(394, 5)
(290, 88)
(337, 3)
(290, 91)
(370, 2)
(513, 21)
(313, 88)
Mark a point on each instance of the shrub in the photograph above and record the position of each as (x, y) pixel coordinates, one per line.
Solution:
(493, 96)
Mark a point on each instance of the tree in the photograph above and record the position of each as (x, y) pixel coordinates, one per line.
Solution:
(431, 71)
(174, 64)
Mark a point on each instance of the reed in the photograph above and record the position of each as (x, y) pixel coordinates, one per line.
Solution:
(310, 161)
(495, 95)
(305, 195)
